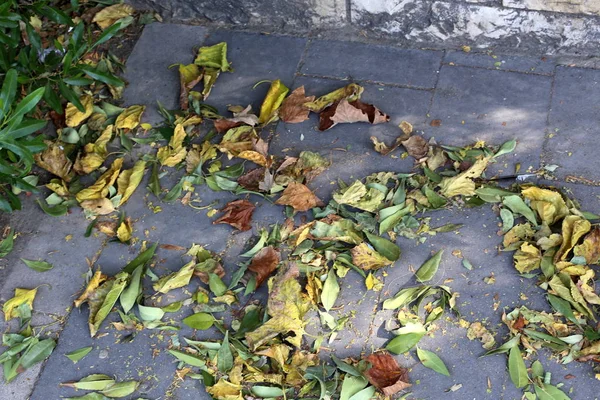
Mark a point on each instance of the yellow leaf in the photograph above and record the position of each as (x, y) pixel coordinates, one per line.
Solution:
(573, 229)
(74, 117)
(94, 153)
(527, 258)
(225, 390)
(549, 204)
(199, 154)
(174, 153)
(129, 180)
(59, 187)
(130, 118)
(350, 92)
(109, 15)
(22, 296)
(363, 256)
(373, 283)
(125, 230)
(253, 156)
(272, 101)
(93, 284)
(146, 126)
(462, 183)
(101, 206)
(518, 233)
(100, 188)
(237, 140)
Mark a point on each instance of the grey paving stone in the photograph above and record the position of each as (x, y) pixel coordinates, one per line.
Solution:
(494, 106)
(348, 146)
(504, 62)
(573, 131)
(254, 57)
(351, 60)
(148, 75)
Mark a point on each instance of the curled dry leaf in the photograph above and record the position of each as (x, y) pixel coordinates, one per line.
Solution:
(292, 109)
(350, 92)
(94, 154)
(74, 117)
(238, 214)
(54, 160)
(175, 152)
(101, 206)
(264, 263)
(109, 15)
(101, 187)
(129, 180)
(189, 76)
(385, 374)
(251, 180)
(130, 117)
(590, 248)
(349, 112)
(365, 257)
(300, 197)
(416, 147)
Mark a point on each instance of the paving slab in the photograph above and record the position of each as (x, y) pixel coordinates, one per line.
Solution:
(148, 75)
(385, 64)
(573, 137)
(495, 106)
(502, 62)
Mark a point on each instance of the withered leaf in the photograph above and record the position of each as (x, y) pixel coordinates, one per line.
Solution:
(54, 160)
(590, 248)
(385, 374)
(238, 214)
(300, 197)
(363, 256)
(189, 76)
(264, 263)
(292, 109)
(252, 179)
(416, 147)
(349, 112)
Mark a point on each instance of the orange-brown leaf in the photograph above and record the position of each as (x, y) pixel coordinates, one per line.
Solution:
(416, 147)
(292, 109)
(264, 263)
(385, 374)
(299, 197)
(349, 112)
(238, 214)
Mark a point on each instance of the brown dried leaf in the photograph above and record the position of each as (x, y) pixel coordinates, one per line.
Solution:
(238, 214)
(416, 147)
(590, 248)
(264, 263)
(300, 197)
(349, 112)
(292, 109)
(101, 206)
(223, 125)
(385, 374)
(54, 160)
(252, 179)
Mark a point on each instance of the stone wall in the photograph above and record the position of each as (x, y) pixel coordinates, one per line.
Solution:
(538, 26)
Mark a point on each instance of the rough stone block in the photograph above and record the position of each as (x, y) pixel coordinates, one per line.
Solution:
(591, 7)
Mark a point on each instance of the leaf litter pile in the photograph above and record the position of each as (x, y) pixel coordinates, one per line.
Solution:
(265, 351)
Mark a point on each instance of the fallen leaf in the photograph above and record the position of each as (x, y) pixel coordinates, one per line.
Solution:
(300, 197)
(272, 101)
(74, 117)
(366, 258)
(54, 160)
(590, 248)
(175, 152)
(94, 154)
(527, 258)
(385, 374)
(22, 296)
(462, 184)
(101, 206)
(214, 57)
(573, 229)
(101, 187)
(237, 140)
(350, 92)
(416, 147)
(125, 230)
(292, 109)
(109, 15)
(435, 122)
(350, 112)
(130, 118)
(549, 204)
(264, 263)
(251, 180)
(129, 180)
(92, 285)
(189, 76)
(238, 214)
(476, 330)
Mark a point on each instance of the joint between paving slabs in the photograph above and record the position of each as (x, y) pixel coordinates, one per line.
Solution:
(454, 64)
(368, 81)
(548, 128)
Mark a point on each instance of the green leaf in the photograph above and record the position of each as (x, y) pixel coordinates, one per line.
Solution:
(384, 247)
(201, 321)
(508, 220)
(518, 206)
(404, 297)
(25, 106)
(55, 15)
(516, 367)
(109, 301)
(70, 95)
(8, 92)
(107, 34)
(432, 361)
(188, 358)
(91, 382)
(365, 394)
(141, 259)
(78, 354)
(563, 307)
(39, 266)
(54, 211)
(430, 267)
(133, 290)
(148, 314)
(37, 353)
(404, 342)
(507, 147)
(331, 290)
(104, 77)
(26, 128)
(88, 396)
(537, 369)
(121, 389)
(6, 245)
(345, 367)
(216, 285)
(549, 392)
(352, 385)
(266, 391)
(434, 199)
(224, 355)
